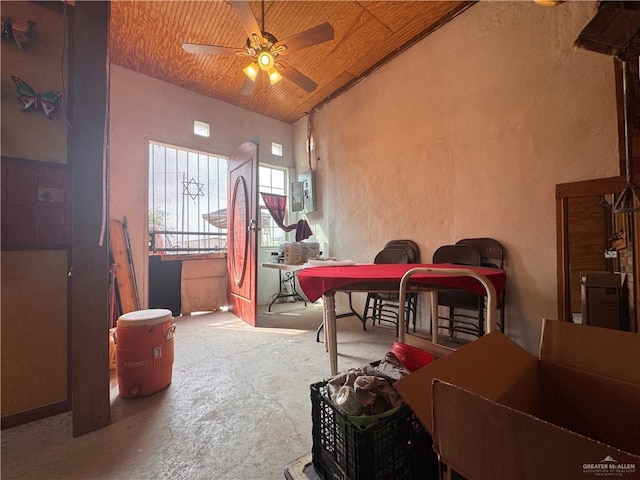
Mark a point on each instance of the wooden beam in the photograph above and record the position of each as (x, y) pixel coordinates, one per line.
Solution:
(124, 267)
(88, 93)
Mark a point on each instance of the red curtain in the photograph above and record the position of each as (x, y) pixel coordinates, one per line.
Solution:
(277, 206)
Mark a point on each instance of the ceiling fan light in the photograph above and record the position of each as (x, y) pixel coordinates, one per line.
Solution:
(265, 60)
(274, 76)
(549, 3)
(251, 71)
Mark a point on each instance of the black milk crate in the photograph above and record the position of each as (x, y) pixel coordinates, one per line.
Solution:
(394, 447)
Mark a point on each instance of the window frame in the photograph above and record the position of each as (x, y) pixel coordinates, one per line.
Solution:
(264, 212)
(217, 180)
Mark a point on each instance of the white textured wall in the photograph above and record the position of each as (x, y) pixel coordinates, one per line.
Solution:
(144, 108)
(466, 135)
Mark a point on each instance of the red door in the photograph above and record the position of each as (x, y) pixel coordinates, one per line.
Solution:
(242, 231)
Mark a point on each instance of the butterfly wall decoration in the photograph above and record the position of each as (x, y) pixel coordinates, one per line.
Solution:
(47, 102)
(19, 31)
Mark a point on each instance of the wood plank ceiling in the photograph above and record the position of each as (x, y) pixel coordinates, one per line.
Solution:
(147, 37)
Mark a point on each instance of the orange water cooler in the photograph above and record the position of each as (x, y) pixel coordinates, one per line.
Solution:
(144, 352)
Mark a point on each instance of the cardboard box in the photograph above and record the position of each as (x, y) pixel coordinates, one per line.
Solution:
(299, 252)
(497, 412)
(604, 299)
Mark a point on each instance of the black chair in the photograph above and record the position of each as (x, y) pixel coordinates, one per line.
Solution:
(413, 253)
(384, 307)
(411, 247)
(465, 310)
(491, 255)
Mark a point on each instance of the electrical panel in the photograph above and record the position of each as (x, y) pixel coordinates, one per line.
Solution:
(303, 196)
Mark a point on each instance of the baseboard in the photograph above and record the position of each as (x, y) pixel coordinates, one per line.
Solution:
(35, 414)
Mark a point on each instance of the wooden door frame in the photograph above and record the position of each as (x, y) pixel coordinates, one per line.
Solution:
(564, 192)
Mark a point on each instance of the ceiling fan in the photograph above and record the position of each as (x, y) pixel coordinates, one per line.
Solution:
(265, 50)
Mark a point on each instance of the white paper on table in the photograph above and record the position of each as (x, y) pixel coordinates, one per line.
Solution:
(328, 263)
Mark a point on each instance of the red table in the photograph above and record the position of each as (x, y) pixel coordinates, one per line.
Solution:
(325, 281)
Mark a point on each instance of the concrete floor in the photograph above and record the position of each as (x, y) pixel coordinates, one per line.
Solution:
(238, 407)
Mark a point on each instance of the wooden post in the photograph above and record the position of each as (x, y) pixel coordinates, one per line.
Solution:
(88, 94)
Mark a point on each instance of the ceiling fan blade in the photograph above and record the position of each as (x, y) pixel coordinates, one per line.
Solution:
(213, 49)
(318, 34)
(296, 76)
(249, 23)
(247, 87)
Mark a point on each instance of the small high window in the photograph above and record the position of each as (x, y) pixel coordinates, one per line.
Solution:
(276, 149)
(201, 129)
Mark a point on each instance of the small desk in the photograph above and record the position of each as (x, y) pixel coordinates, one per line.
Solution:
(289, 272)
(384, 278)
